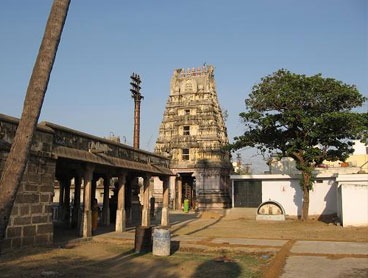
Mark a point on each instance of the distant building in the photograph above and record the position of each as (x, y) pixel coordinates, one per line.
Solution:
(239, 167)
(193, 134)
(356, 163)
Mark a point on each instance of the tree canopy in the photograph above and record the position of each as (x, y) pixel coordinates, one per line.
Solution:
(308, 118)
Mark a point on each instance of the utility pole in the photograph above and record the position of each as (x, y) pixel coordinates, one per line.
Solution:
(136, 95)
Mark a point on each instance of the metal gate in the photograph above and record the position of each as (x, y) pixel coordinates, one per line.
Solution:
(248, 193)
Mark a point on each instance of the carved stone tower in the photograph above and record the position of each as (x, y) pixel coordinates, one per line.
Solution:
(193, 134)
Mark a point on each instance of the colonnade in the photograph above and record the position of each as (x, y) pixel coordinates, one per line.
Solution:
(83, 218)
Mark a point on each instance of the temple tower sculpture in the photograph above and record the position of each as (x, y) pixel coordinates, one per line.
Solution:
(193, 134)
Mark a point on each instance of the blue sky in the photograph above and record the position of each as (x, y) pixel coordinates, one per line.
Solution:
(103, 42)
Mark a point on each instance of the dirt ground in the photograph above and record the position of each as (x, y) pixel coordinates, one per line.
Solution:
(118, 259)
(241, 223)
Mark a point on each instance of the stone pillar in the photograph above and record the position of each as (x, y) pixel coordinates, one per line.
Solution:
(129, 201)
(94, 187)
(180, 193)
(106, 205)
(165, 222)
(172, 197)
(61, 200)
(146, 211)
(66, 203)
(76, 204)
(87, 212)
(120, 211)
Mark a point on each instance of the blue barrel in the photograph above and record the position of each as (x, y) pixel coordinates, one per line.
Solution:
(161, 242)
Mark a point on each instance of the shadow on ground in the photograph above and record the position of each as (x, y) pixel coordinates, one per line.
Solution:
(64, 234)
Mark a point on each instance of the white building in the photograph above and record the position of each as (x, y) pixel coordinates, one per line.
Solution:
(345, 196)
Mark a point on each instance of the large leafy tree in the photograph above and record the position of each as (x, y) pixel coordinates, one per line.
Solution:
(308, 118)
(19, 153)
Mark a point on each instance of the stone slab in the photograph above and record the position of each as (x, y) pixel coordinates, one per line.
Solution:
(327, 247)
(250, 242)
(269, 217)
(316, 266)
(184, 238)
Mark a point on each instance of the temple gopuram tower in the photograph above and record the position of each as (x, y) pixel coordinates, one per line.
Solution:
(193, 134)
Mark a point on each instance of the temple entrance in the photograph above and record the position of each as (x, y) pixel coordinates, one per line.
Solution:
(188, 189)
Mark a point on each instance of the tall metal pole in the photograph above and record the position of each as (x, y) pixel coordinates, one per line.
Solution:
(136, 95)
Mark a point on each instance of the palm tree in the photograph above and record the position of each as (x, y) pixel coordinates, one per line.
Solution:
(19, 153)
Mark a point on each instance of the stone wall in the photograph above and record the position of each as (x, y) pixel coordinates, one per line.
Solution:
(31, 218)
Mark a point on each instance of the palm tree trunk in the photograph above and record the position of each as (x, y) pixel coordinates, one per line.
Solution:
(19, 153)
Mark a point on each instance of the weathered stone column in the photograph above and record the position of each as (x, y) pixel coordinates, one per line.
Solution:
(120, 211)
(87, 212)
(106, 205)
(180, 192)
(94, 187)
(146, 221)
(66, 203)
(129, 201)
(172, 192)
(165, 222)
(61, 200)
(76, 204)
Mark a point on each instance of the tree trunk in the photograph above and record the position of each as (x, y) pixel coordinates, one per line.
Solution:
(306, 188)
(19, 153)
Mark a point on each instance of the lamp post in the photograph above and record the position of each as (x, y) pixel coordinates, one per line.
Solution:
(136, 95)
